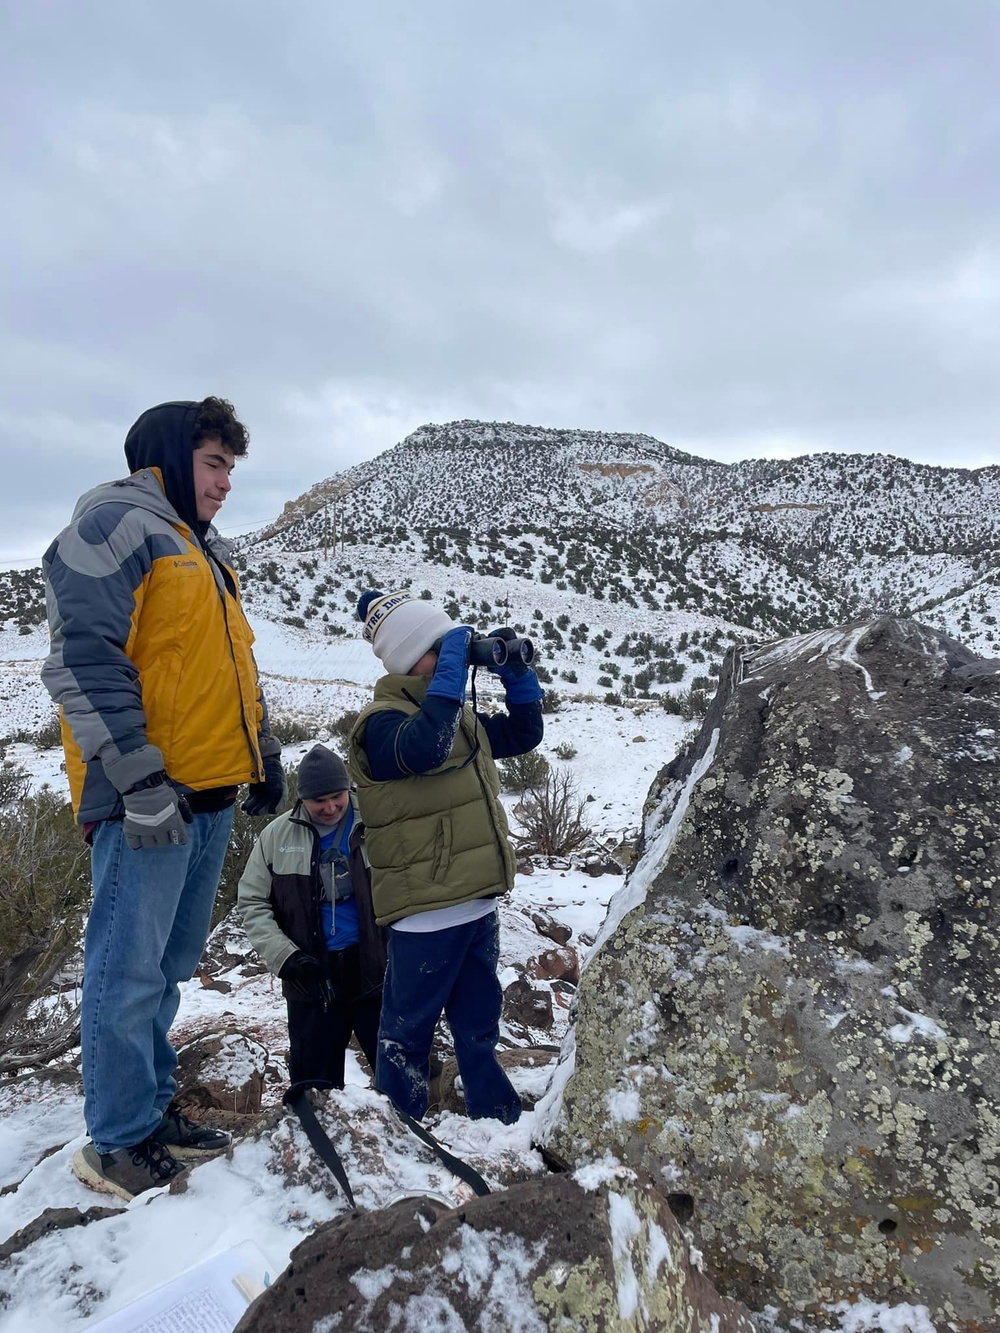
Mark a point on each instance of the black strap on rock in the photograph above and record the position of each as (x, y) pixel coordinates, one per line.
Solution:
(296, 1098)
(454, 1164)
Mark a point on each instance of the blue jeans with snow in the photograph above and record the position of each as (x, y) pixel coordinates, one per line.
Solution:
(148, 924)
(453, 972)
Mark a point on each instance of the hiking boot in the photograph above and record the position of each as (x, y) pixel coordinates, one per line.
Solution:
(127, 1172)
(186, 1139)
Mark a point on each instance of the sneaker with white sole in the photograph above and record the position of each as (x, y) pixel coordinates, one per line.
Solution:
(185, 1138)
(127, 1172)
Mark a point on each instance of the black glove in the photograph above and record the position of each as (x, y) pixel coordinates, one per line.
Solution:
(155, 814)
(266, 797)
(304, 970)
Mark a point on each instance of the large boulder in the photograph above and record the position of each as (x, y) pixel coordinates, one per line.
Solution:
(792, 1013)
(549, 1254)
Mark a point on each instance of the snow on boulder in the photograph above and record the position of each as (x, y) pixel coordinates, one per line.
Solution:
(224, 1071)
(548, 1254)
(791, 1015)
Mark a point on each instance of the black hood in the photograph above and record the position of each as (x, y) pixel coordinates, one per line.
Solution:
(163, 437)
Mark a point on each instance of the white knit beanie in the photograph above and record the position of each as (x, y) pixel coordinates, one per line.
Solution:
(401, 628)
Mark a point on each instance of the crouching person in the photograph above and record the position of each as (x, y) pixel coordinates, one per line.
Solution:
(428, 791)
(305, 900)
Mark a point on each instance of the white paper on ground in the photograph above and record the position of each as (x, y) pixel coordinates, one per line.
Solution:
(209, 1298)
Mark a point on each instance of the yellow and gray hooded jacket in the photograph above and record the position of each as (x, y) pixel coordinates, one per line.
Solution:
(149, 642)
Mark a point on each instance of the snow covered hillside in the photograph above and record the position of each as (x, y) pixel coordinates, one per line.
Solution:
(638, 537)
(633, 565)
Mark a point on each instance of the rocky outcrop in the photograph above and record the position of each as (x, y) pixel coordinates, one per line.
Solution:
(550, 1254)
(222, 1070)
(793, 1015)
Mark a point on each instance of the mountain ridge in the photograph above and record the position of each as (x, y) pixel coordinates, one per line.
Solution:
(634, 564)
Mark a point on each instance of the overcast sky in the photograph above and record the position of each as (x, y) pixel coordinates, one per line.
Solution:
(746, 228)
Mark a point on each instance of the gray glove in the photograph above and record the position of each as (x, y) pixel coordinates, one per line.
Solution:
(155, 812)
(155, 815)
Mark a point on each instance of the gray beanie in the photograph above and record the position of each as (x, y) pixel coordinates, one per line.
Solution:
(321, 773)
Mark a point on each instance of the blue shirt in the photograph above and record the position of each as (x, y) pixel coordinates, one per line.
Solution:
(340, 918)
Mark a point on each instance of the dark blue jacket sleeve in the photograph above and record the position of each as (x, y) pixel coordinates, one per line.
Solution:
(94, 573)
(517, 731)
(398, 746)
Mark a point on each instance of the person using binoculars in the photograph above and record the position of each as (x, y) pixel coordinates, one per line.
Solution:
(437, 839)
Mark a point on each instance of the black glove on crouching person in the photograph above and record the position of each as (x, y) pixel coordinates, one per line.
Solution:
(304, 970)
(267, 796)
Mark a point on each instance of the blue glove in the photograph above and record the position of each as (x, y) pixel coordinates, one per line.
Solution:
(519, 681)
(452, 670)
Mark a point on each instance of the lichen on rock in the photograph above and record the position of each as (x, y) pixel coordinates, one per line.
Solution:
(795, 1026)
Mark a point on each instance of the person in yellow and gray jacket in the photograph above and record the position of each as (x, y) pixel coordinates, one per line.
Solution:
(152, 667)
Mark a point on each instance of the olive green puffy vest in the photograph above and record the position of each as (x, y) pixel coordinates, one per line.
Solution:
(438, 838)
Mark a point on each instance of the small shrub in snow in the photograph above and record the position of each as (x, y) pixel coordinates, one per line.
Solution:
(43, 894)
(49, 734)
(289, 730)
(523, 771)
(551, 816)
(565, 751)
(694, 703)
(342, 726)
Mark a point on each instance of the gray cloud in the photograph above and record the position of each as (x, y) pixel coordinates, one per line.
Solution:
(742, 228)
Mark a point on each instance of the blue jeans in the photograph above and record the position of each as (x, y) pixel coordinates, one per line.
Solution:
(453, 972)
(148, 924)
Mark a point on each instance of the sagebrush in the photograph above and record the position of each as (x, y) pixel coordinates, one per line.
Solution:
(523, 771)
(551, 816)
(44, 890)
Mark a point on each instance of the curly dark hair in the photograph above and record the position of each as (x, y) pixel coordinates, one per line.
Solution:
(217, 417)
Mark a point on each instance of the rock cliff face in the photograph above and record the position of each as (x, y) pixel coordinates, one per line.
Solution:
(797, 1023)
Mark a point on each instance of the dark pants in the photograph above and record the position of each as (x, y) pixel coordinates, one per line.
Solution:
(318, 1035)
(453, 972)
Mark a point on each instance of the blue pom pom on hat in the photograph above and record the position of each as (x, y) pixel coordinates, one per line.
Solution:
(365, 601)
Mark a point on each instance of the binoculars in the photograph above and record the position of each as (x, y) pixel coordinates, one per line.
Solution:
(485, 650)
